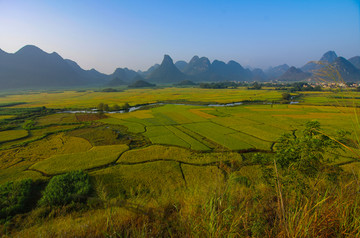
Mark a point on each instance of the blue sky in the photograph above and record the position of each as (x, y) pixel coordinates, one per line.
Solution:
(137, 33)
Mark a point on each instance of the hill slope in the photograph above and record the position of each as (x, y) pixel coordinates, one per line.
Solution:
(355, 61)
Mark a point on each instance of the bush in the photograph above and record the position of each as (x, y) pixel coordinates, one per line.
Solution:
(306, 153)
(66, 188)
(14, 197)
(28, 124)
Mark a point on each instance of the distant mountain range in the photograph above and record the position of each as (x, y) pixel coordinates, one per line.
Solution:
(31, 67)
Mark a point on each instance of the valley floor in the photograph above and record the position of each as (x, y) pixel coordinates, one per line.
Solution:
(184, 170)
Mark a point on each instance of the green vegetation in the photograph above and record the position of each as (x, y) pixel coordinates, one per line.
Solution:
(255, 86)
(14, 197)
(110, 90)
(95, 157)
(66, 188)
(12, 135)
(219, 85)
(257, 169)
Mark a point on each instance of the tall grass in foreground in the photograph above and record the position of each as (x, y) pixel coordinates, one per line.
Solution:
(230, 209)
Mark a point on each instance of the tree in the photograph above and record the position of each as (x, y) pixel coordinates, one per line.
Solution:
(28, 124)
(100, 107)
(106, 108)
(126, 106)
(255, 86)
(317, 88)
(305, 153)
(66, 188)
(14, 197)
(286, 96)
(103, 107)
(115, 107)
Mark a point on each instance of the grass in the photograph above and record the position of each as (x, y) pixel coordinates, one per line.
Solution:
(12, 135)
(19, 172)
(2, 117)
(102, 135)
(95, 157)
(155, 152)
(194, 144)
(149, 179)
(133, 127)
(202, 178)
(220, 134)
(58, 118)
(162, 135)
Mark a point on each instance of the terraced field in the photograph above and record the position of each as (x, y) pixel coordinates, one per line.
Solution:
(240, 128)
(12, 135)
(95, 157)
(180, 136)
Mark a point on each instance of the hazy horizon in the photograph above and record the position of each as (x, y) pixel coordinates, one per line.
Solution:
(136, 34)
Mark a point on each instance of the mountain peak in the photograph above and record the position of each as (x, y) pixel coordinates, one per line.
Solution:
(329, 57)
(167, 60)
(294, 69)
(166, 72)
(197, 66)
(30, 49)
(194, 59)
(348, 72)
(181, 65)
(234, 63)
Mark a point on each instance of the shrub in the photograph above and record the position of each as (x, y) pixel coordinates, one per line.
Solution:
(305, 154)
(14, 197)
(28, 124)
(66, 188)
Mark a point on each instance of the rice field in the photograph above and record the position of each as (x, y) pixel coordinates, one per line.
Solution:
(12, 135)
(90, 99)
(95, 157)
(2, 117)
(155, 152)
(185, 133)
(58, 118)
(244, 127)
(141, 180)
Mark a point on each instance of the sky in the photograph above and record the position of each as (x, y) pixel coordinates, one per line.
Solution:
(137, 33)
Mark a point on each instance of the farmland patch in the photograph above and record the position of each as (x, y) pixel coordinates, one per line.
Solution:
(96, 156)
